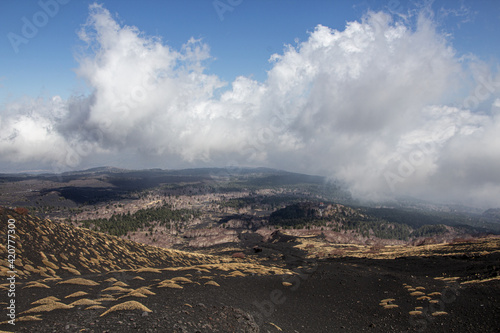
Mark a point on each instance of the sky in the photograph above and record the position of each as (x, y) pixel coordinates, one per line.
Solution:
(393, 98)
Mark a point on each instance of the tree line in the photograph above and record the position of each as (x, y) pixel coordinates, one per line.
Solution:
(121, 224)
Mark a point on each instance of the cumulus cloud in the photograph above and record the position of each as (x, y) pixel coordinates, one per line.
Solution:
(387, 108)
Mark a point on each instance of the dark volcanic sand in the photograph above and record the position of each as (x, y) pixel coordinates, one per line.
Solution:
(338, 295)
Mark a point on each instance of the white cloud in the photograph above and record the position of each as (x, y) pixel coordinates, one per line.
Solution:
(377, 105)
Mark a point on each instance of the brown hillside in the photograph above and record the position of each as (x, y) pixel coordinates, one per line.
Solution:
(48, 249)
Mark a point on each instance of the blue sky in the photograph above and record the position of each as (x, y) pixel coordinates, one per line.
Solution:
(391, 97)
(241, 43)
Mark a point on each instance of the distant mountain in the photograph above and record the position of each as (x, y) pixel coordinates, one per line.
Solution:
(493, 213)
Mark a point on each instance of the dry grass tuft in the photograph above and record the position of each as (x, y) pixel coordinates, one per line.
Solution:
(423, 298)
(147, 269)
(36, 285)
(415, 313)
(133, 294)
(118, 289)
(286, 284)
(80, 281)
(18, 319)
(417, 293)
(212, 283)
(85, 301)
(127, 306)
(120, 284)
(451, 279)
(387, 300)
(77, 294)
(46, 300)
(71, 270)
(276, 326)
(138, 278)
(235, 274)
(390, 306)
(145, 291)
(436, 293)
(420, 288)
(111, 279)
(29, 318)
(181, 279)
(169, 284)
(49, 307)
(481, 281)
(439, 313)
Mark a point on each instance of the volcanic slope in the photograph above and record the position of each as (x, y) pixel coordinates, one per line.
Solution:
(72, 277)
(75, 280)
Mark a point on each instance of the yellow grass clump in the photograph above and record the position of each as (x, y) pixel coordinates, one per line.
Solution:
(127, 306)
(77, 294)
(71, 270)
(390, 306)
(236, 273)
(417, 293)
(117, 289)
(145, 291)
(450, 279)
(36, 285)
(286, 284)
(481, 281)
(423, 298)
(50, 279)
(80, 281)
(387, 300)
(50, 264)
(212, 283)
(120, 284)
(436, 293)
(85, 301)
(46, 300)
(29, 318)
(49, 307)
(415, 313)
(23, 318)
(169, 284)
(133, 294)
(181, 279)
(147, 269)
(420, 288)
(138, 278)
(111, 279)
(439, 313)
